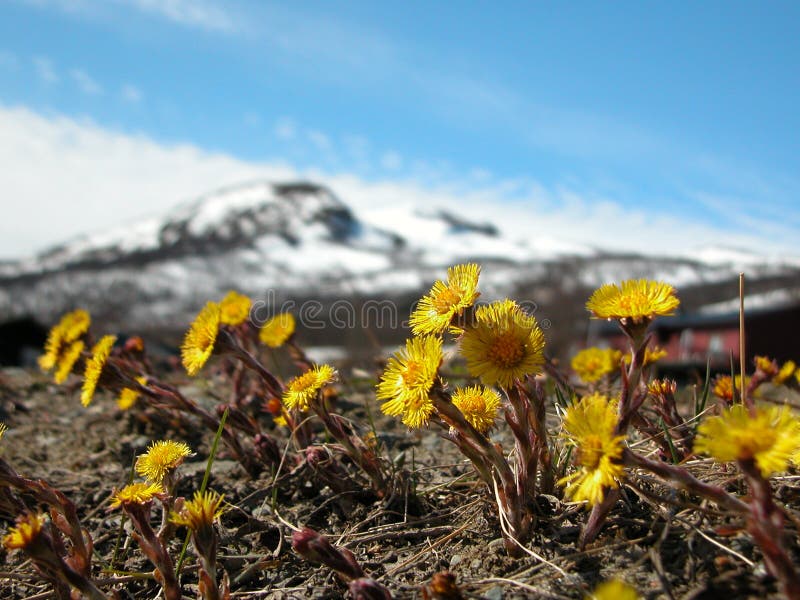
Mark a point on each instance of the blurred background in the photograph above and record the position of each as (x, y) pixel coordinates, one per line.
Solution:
(157, 153)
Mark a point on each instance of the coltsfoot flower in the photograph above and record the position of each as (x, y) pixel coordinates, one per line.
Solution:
(234, 308)
(479, 405)
(301, 390)
(28, 528)
(723, 387)
(589, 427)
(504, 345)
(407, 381)
(613, 589)
(94, 367)
(785, 372)
(67, 360)
(161, 458)
(651, 356)
(275, 332)
(136, 493)
(766, 365)
(200, 339)
(770, 436)
(662, 387)
(592, 364)
(635, 299)
(200, 512)
(70, 327)
(128, 396)
(435, 311)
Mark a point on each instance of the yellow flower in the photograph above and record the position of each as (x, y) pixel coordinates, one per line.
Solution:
(589, 427)
(785, 372)
(277, 330)
(613, 589)
(634, 299)
(234, 308)
(723, 386)
(408, 378)
(94, 367)
(592, 364)
(136, 493)
(75, 324)
(68, 360)
(199, 512)
(52, 346)
(435, 312)
(200, 339)
(662, 387)
(505, 344)
(303, 389)
(28, 528)
(479, 405)
(161, 458)
(129, 396)
(770, 437)
(650, 356)
(765, 364)
(69, 328)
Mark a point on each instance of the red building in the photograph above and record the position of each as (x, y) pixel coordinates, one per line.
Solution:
(694, 340)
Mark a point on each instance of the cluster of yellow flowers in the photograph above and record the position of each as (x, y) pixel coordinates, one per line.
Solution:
(64, 344)
(233, 311)
(499, 341)
(502, 347)
(589, 425)
(159, 461)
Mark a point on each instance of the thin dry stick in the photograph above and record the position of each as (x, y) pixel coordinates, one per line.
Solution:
(745, 399)
(432, 546)
(505, 526)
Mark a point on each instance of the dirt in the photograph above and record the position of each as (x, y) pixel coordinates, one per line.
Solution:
(655, 539)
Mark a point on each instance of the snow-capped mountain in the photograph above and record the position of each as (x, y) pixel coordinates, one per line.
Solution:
(299, 240)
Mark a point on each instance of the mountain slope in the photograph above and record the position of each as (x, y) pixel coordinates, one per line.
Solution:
(299, 241)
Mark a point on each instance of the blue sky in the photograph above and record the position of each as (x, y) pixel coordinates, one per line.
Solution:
(683, 110)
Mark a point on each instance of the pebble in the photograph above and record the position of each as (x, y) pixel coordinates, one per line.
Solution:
(455, 560)
(494, 593)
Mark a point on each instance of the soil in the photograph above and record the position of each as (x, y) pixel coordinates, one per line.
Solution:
(656, 539)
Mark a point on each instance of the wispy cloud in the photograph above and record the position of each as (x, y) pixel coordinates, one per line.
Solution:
(362, 58)
(86, 84)
(115, 177)
(391, 161)
(200, 14)
(45, 70)
(285, 129)
(131, 93)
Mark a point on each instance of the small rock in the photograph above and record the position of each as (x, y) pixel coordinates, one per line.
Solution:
(455, 560)
(494, 593)
(497, 543)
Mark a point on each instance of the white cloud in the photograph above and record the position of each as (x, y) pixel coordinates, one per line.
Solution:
(86, 84)
(65, 177)
(319, 140)
(131, 93)
(285, 129)
(391, 161)
(191, 13)
(45, 70)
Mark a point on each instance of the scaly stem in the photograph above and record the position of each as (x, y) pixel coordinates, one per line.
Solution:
(766, 527)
